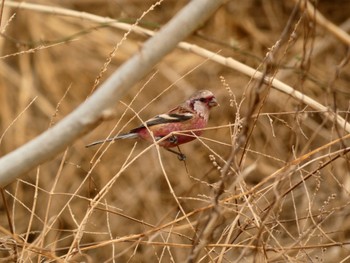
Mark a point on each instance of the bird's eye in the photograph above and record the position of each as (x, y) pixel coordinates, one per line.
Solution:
(202, 99)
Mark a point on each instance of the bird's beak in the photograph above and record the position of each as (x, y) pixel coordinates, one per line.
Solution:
(213, 102)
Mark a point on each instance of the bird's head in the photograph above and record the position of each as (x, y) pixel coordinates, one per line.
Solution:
(202, 101)
(204, 97)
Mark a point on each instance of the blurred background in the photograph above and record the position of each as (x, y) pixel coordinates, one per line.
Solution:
(49, 64)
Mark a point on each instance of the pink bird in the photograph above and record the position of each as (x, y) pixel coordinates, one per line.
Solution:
(177, 126)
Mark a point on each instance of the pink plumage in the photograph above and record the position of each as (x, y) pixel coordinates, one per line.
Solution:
(178, 125)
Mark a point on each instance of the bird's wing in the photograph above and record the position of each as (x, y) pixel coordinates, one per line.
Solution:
(169, 118)
(175, 115)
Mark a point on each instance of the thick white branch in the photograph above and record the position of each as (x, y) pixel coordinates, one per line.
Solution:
(55, 140)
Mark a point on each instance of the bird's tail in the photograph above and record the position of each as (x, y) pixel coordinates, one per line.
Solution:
(120, 136)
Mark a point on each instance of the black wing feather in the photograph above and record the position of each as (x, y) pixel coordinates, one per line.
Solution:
(165, 118)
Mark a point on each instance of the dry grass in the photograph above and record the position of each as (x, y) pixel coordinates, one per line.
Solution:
(268, 182)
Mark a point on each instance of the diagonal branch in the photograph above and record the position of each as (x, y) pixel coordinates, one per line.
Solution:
(90, 113)
(214, 56)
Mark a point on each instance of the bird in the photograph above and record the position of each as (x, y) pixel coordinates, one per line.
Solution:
(179, 125)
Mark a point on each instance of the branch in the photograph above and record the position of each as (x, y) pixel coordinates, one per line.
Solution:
(92, 111)
(339, 33)
(213, 56)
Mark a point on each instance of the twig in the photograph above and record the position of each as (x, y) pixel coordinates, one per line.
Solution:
(324, 22)
(226, 61)
(95, 109)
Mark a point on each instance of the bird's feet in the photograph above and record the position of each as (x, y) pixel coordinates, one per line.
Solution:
(173, 139)
(180, 156)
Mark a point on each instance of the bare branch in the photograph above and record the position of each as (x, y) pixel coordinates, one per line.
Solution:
(203, 52)
(93, 111)
(324, 22)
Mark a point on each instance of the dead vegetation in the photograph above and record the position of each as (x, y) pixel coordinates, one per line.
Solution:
(268, 181)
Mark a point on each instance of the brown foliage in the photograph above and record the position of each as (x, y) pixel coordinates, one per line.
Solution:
(248, 191)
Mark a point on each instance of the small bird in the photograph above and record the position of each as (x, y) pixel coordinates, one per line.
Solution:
(191, 116)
